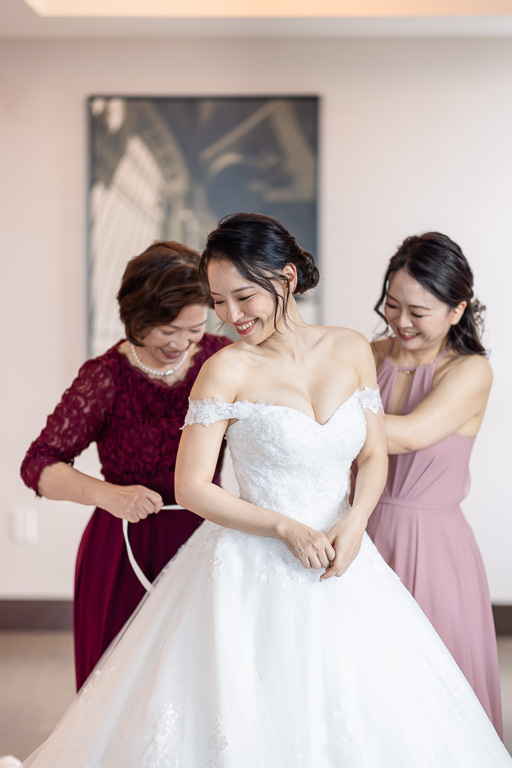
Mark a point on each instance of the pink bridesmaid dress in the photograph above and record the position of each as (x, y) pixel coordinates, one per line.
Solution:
(419, 529)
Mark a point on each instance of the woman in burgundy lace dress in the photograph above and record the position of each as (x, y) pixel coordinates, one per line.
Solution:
(131, 401)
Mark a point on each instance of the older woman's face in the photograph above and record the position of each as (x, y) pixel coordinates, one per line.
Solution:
(165, 344)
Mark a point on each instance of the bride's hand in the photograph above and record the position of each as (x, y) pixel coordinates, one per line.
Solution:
(345, 537)
(312, 548)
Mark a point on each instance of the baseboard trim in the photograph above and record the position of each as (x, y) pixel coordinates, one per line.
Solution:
(36, 615)
(57, 615)
(503, 619)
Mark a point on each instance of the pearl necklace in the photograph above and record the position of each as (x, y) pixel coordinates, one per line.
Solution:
(152, 370)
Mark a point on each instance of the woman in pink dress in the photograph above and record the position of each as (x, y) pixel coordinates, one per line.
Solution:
(131, 401)
(435, 381)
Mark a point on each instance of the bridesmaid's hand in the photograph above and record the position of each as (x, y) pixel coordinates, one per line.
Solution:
(129, 502)
(312, 548)
(345, 537)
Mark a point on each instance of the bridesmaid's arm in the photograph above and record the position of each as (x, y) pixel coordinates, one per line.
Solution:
(456, 404)
(195, 467)
(372, 464)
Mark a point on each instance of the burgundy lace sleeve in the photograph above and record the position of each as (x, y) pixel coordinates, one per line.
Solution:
(76, 422)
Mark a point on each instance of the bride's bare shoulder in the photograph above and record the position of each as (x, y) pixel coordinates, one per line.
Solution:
(347, 340)
(351, 350)
(220, 374)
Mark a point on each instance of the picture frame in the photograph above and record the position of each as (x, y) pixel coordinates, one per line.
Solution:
(168, 168)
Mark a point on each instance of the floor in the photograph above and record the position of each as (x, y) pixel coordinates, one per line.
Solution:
(37, 682)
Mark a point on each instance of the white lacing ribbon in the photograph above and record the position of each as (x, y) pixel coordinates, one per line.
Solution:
(148, 586)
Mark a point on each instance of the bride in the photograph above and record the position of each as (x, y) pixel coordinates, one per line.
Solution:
(249, 652)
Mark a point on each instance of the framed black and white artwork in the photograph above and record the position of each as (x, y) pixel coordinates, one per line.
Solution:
(170, 168)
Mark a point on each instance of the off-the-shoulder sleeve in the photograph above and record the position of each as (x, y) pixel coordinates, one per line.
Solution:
(214, 409)
(370, 399)
(76, 422)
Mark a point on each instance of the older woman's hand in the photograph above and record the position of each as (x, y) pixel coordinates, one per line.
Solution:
(130, 502)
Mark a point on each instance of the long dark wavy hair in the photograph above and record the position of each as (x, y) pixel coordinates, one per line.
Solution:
(438, 264)
(259, 247)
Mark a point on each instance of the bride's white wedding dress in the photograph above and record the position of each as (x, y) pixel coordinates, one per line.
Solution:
(242, 658)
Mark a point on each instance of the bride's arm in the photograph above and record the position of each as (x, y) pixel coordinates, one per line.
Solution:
(195, 466)
(372, 463)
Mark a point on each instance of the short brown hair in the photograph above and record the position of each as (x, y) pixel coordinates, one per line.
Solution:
(157, 285)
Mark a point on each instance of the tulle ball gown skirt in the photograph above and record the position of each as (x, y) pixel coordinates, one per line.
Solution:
(240, 658)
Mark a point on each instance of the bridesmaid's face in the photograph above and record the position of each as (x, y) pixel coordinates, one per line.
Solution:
(418, 319)
(244, 306)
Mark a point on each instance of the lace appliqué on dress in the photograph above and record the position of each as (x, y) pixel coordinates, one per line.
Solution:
(370, 399)
(213, 409)
(216, 746)
(164, 736)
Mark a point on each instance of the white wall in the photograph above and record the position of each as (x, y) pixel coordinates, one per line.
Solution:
(415, 135)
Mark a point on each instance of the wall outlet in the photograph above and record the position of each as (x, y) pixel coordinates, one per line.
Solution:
(24, 525)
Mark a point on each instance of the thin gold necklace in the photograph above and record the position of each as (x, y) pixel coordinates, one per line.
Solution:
(410, 371)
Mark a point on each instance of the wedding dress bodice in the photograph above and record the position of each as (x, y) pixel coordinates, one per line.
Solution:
(286, 461)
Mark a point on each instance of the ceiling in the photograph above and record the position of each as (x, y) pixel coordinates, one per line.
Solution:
(253, 18)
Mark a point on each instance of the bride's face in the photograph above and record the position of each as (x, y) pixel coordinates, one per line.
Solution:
(243, 305)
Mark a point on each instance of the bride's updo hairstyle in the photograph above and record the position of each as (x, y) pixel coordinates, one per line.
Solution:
(438, 264)
(259, 248)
